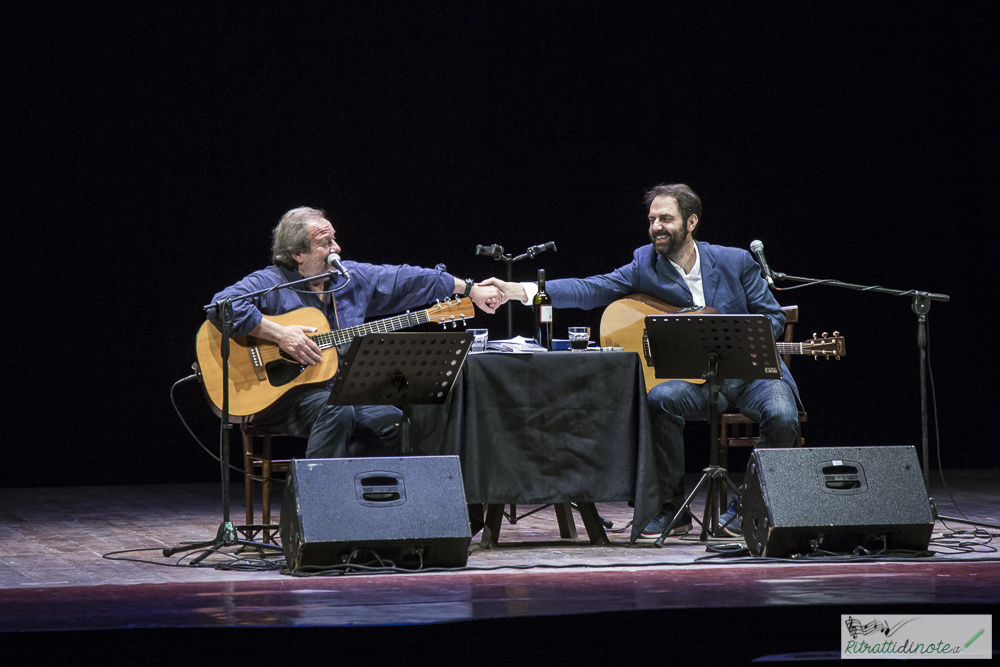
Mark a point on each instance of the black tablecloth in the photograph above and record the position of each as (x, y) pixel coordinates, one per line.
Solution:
(549, 427)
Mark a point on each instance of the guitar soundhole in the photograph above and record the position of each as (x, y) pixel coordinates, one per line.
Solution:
(281, 372)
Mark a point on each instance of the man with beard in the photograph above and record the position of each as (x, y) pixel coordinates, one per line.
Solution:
(687, 274)
(303, 242)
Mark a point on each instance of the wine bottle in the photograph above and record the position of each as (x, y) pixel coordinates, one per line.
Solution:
(543, 313)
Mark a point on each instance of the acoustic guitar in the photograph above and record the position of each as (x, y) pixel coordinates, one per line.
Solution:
(260, 372)
(623, 324)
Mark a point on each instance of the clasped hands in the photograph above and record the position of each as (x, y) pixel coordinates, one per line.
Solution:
(493, 293)
(487, 297)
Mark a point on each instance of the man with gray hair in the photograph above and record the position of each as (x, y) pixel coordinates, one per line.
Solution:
(303, 241)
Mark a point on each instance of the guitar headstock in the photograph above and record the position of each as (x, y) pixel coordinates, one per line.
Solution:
(451, 311)
(825, 346)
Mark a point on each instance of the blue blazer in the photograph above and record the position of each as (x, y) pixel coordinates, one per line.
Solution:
(731, 279)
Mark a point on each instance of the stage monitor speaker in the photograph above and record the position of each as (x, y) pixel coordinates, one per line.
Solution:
(410, 510)
(834, 499)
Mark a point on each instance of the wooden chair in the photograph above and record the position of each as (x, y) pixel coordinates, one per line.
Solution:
(261, 469)
(737, 430)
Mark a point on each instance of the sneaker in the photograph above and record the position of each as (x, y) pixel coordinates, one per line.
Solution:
(655, 527)
(730, 519)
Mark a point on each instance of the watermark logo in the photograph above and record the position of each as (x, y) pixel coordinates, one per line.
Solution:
(918, 636)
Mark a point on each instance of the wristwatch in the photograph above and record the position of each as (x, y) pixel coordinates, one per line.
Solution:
(469, 282)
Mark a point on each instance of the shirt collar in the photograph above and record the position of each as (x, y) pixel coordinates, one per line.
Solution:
(695, 270)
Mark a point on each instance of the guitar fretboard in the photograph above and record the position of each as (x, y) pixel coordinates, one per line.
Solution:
(338, 337)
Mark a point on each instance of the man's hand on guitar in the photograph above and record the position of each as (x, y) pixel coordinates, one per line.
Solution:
(487, 298)
(294, 340)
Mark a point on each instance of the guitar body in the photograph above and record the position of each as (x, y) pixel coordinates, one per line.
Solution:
(623, 324)
(259, 373)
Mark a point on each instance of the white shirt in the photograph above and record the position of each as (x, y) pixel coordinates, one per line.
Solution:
(693, 279)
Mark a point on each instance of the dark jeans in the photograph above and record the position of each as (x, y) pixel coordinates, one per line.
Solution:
(769, 402)
(335, 431)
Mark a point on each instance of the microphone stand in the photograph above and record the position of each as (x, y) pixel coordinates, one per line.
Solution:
(920, 305)
(496, 252)
(227, 535)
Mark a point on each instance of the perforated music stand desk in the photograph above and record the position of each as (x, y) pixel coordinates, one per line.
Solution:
(401, 369)
(711, 348)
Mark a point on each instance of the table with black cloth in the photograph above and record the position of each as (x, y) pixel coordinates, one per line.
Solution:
(549, 427)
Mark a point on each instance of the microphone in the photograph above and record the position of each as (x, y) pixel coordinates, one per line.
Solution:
(757, 248)
(333, 259)
(538, 249)
(493, 250)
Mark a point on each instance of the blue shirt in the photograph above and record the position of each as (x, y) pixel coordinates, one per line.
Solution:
(374, 291)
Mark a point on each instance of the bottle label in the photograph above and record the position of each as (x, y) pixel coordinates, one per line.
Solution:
(545, 314)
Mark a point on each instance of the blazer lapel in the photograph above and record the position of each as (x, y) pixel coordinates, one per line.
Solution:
(709, 276)
(670, 275)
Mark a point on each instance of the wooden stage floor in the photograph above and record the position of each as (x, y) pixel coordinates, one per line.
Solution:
(535, 595)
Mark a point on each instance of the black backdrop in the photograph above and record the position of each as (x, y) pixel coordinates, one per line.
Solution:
(154, 147)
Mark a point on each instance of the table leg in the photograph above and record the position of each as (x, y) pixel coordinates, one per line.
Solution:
(491, 527)
(567, 524)
(593, 523)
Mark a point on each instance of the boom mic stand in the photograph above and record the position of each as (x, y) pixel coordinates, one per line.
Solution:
(227, 535)
(496, 252)
(920, 305)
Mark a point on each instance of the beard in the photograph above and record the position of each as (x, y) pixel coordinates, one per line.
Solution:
(670, 245)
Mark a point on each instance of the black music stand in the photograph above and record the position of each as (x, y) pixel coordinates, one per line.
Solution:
(713, 348)
(402, 369)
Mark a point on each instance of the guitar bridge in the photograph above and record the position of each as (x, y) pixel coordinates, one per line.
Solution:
(645, 348)
(256, 362)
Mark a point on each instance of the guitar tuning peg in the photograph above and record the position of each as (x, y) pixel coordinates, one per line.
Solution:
(837, 357)
(826, 335)
(815, 335)
(836, 333)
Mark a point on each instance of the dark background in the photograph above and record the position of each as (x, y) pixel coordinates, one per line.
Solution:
(153, 149)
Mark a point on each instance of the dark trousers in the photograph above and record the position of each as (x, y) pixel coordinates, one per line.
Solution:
(769, 402)
(334, 431)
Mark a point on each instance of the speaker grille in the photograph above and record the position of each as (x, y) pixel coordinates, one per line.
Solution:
(834, 499)
(409, 510)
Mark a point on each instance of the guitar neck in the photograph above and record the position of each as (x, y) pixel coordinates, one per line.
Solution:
(791, 348)
(338, 337)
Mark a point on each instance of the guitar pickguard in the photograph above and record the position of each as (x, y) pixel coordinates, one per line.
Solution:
(281, 372)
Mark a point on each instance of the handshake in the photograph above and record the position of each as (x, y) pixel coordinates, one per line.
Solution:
(492, 293)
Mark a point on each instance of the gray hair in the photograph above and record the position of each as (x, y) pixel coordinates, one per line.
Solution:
(292, 235)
